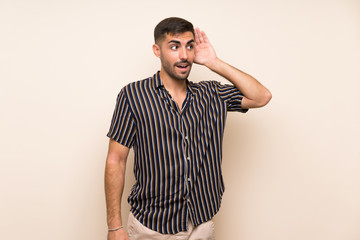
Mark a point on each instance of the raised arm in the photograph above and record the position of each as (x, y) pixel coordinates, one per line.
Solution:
(114, 186)
(255, 94)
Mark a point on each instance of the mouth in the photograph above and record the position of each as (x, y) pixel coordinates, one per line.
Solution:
(183, 66)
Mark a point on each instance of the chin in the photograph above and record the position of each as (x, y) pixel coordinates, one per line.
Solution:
(182, 77)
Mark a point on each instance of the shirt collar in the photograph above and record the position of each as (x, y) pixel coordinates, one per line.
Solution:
(158, 83)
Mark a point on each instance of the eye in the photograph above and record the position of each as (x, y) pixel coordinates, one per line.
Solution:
(190, 47)
(174, 47)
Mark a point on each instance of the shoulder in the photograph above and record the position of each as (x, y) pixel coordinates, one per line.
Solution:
(139, 84)
(137, 87)
(205, 86)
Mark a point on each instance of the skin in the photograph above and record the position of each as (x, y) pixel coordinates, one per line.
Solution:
(177, 53)
(114, 186)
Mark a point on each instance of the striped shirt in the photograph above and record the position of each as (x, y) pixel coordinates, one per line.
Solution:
(177, 163)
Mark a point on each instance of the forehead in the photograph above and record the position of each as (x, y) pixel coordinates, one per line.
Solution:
(181, 37)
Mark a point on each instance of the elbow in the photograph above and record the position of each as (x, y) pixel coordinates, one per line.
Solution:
(114, 160)
(260, 101)
(265, 99)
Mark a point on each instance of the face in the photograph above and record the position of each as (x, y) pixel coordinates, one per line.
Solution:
(176, 53)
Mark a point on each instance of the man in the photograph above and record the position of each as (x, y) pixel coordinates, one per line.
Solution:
(175, 127)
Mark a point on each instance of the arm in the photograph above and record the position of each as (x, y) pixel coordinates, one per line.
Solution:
(255, 94)
(114, 186)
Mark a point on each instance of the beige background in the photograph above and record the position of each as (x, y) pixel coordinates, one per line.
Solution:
(291, 169)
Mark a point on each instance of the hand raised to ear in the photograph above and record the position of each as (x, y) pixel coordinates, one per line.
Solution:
(204, 51)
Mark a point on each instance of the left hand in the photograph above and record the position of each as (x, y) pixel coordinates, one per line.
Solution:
(204, 51)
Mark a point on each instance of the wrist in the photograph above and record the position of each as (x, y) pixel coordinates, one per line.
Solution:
(115, 229)
(114, 222)
(213, 64)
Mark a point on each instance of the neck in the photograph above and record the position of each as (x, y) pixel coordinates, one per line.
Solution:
(171, 84)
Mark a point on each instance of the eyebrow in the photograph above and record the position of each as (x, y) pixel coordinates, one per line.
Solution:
(178, 42)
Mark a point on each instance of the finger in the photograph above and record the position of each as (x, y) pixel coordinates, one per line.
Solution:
(204, 37)
(197, 35)
(201, 39)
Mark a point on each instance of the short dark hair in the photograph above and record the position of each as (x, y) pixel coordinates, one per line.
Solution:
(172, 25)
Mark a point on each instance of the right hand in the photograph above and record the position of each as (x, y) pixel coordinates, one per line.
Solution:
(118, 235)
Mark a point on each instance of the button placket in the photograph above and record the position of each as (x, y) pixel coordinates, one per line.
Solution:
(187, 178)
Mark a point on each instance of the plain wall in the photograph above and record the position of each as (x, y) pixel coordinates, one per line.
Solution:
(291, 169)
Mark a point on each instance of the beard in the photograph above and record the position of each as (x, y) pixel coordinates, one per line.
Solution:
(174, 71)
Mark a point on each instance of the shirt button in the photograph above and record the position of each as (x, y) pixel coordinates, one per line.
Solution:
(186, 138)
(188, 158)
(189, 179)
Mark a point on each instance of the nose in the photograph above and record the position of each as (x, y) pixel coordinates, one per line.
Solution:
(183, 54)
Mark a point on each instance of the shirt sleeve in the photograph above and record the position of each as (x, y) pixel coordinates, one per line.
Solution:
(122, 128)
(231, 96)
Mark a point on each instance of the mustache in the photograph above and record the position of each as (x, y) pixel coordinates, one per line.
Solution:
(182, 62)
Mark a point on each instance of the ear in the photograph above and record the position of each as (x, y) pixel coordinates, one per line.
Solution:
(156, 50)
